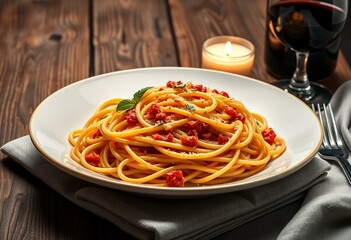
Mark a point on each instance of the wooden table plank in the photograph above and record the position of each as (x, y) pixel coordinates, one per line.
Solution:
(132, 34)
(44, 45)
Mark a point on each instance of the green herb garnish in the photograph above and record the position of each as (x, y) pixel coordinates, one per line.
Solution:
(180, 85)
(190, 107)
(127, 104)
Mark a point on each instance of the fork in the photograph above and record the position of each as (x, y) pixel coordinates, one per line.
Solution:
(332, 147)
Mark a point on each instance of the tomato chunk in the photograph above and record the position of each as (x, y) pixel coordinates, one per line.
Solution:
(172, 84)
(222, 139)
(190, 141)
(97, 134)
(195, 127)
(93, 158)
(225, 94)
(175, 179)
(229, 110)
(168, 137)
(156, 113)
(215, 91)
(131, 117)
(154, 110)
(240, 117)
(234, 114)
(161, 116)
(199, 88)
(269, 135)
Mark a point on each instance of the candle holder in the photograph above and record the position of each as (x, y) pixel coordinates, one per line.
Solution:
(229, 54)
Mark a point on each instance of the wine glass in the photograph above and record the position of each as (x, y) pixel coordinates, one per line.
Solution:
(306, 26)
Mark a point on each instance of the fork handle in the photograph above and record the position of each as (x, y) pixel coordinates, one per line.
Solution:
(346, 167)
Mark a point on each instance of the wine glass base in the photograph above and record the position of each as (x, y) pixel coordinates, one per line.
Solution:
(319, 93)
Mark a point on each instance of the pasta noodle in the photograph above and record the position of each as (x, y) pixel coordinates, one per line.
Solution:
(173, 135)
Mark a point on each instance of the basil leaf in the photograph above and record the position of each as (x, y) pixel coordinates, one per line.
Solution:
(125, 104)
(139, 94)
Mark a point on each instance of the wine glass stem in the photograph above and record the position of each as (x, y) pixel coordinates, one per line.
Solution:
(299, 81)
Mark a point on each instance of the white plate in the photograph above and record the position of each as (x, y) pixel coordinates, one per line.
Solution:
(70, 107)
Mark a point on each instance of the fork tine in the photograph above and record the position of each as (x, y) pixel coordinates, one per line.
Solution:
(330, 128)
(331, 136)
(334, 126)
(321, 118)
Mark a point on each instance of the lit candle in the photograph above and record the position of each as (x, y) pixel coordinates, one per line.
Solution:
(229, 54)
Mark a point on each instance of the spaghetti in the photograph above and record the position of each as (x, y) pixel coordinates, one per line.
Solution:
(175, 134)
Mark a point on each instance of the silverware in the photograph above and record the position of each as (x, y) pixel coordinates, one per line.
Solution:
(332, 147)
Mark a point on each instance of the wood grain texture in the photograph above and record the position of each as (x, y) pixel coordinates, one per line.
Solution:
(132, 34)
(44, 45)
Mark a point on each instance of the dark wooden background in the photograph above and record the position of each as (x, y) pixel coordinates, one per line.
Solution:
(48, 44)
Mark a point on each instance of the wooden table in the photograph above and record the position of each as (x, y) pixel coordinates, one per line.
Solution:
(47, 44)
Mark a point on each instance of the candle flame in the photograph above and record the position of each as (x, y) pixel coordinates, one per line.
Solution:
(228, 48)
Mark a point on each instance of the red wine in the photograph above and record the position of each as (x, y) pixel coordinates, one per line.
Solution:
(281, 61)
(306, 25)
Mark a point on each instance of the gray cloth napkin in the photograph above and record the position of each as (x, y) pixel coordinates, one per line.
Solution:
(303, 205)
(341, 103)
(145, 217)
